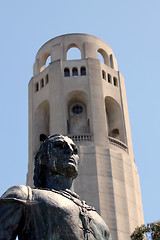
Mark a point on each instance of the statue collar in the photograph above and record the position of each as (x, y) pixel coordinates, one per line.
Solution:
(74, 197)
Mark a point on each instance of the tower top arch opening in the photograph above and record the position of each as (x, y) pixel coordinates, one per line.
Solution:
(73, 52)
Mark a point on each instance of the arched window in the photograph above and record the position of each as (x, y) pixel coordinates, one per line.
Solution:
(36, 87)
(109, 78)
(74, 72)
(103, 56)
(115, 82)
(48, 60)
(42, 82)
(78, 123)
(66, 72)
(46, 79)
(73, 53)
(42, 118)
(114, 119)
(83, 71)
(100, 57)
(77, 113)
(45, 61)
(103, 75)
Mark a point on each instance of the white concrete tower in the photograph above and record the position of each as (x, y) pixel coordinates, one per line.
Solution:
(86, 100)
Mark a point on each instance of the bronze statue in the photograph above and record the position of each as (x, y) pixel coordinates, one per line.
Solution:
(51, 210)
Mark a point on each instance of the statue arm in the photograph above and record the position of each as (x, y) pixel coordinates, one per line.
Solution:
(11, 211)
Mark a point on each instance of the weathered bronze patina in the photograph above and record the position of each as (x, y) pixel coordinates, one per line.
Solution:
(51, 210)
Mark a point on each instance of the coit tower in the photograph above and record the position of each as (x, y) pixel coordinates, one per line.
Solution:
(85, 98)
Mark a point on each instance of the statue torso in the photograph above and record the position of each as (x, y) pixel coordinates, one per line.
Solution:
(61, 215)
(51, 215)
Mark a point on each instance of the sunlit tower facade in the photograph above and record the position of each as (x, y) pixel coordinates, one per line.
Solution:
(86, 100)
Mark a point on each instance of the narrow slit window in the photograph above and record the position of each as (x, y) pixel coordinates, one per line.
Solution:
(36, 87)
(83, 71)
(66, 72)
(42, 82)
(47, 79)
(109, 78)
(74, 72)
(115, 81)
(111, 61)
(103, 75)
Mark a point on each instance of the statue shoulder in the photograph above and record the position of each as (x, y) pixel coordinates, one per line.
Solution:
(20, 192)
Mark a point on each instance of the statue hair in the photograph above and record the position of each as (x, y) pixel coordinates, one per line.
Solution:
(41, 159)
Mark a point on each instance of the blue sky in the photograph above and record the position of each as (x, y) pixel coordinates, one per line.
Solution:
(131, 28)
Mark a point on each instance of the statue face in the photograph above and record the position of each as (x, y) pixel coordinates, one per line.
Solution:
(63, 156)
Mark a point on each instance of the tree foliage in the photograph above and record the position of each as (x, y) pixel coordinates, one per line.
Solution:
(147, 232)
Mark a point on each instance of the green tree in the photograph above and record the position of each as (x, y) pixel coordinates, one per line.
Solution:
(147, 232)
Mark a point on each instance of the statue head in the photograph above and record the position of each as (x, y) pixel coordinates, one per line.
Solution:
(58, 155)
